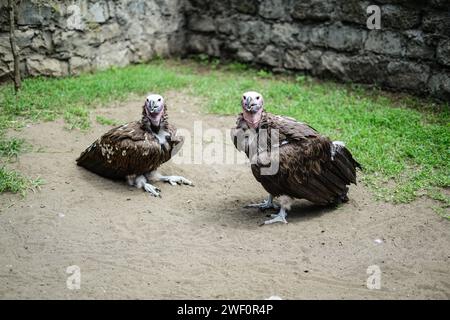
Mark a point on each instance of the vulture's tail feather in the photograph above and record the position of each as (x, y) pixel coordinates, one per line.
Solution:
(90, 160)
(345, 164)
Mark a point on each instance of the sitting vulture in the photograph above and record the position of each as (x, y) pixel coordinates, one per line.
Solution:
(308, 165)
(135, 150)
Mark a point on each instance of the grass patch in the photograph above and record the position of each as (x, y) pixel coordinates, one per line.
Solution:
(10, 148)
(402, 142)
(12, 181)
(77, 117)
(48, 99)
(106, 121)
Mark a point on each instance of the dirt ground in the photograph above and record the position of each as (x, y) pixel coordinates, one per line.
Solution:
(199, 242)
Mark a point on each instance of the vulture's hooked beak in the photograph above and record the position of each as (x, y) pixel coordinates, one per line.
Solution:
(249, 104)
(152, 106)
(154, 112)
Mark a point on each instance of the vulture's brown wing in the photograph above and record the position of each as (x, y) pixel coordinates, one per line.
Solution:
(310, 165)
(289, 128)
(123, 151)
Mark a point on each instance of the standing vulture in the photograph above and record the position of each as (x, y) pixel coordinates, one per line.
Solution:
(308, 165)
(135, 150)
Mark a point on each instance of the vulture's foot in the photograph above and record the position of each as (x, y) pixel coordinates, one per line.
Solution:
(141, 182)
(280, 217)
(154, 191)
(174, 180)
(266, 204)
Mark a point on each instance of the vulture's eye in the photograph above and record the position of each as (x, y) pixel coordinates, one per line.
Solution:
(244, 97)
(159, 99)
(257, 98)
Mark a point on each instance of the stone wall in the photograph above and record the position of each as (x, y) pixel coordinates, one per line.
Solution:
(67, 37)
(330, 38)
(326, 38)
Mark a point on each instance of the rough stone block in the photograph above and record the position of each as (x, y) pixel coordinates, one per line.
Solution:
(271, 56)
(5, 48)
(38, 65)
(334, 63)
(385, 42)
(203, 44)
(161, 46)
(226, 26)
(78, 65)
(439, 85)
(407, 75)
(437, 22)
(417, 45)
(285, 34)
(254, 31)
(24, 37)
(353, 11)
(246, 6)
(299, 60)
(314, 10)
(245, 56)
(201, 23)
(370, 68)
(316, 36)
(443, 52)
(398, 17)
(42, 42)
(5, 69)
(34, 13)
(273, 9)
(345, 38)
(111, 54)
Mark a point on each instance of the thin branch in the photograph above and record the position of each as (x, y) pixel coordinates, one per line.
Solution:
(15, 51)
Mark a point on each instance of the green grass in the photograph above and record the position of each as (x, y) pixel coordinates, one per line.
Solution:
(77, 117)
(402, 142)
(106, 121)
(12, 181)
(11, 148)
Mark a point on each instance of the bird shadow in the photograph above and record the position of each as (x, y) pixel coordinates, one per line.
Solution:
(301, 210)
(102, 183)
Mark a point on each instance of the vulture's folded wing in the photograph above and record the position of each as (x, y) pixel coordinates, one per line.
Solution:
(311, 166)
(122, 151)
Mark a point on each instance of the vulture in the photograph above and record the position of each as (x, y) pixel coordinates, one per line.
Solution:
(135, 150)
(290, 159)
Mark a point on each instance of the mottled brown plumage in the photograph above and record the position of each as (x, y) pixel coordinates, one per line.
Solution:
(131, 149)
(307, 169)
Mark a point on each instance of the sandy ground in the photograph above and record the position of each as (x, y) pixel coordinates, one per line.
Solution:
(199, 242)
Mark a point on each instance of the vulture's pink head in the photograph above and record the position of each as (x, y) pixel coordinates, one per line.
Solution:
(252, 107)
(154, 108)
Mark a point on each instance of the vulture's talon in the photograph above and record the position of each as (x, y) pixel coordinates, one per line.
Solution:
(266, 204)
(280, 217)
(174, 180)
(154, 191)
